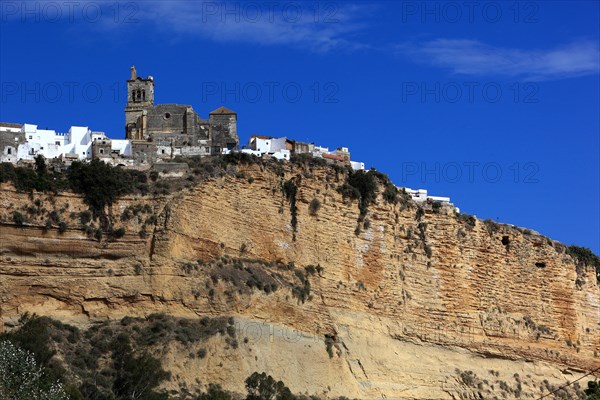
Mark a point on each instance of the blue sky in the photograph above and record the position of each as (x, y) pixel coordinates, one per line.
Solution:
(494, 104)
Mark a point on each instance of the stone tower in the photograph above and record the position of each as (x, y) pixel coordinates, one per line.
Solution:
(140, 96)
(223, 130)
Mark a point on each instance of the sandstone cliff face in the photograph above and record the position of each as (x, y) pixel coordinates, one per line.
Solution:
(407, 307)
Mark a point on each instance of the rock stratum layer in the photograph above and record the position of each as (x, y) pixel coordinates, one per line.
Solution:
(416, 306)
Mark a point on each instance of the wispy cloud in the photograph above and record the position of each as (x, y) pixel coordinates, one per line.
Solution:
(471, 57)
(324, 29)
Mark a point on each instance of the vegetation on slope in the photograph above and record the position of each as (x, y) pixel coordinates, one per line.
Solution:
(45, 359)
(585, 257)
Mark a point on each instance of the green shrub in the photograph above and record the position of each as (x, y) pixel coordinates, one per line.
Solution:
(18, 218)
(101, 184)
(593, 390)
(27, 179)
(22, 379)
(420, 213)
(314, 206)
(202, 353)
(584, 256)
(491, 226)
(310, 269)
(428, 251)
(215, 392)
(264, 387)
(137, 373)
(54, 217)
(85, 217)
(467, 219)
(118, 233)
(62, 227)
(290, 189)
(390, 194)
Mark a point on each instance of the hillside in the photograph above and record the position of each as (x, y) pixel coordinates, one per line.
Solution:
(335, 289)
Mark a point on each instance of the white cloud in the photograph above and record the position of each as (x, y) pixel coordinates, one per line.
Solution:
(278, 23)
(471, 57)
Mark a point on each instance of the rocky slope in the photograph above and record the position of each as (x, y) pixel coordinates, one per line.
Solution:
(416, 304)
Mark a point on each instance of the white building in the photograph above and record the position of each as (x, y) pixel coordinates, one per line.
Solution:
(416, 194)
(275, 147)
(10, 139)
(420, 195)
(318, 151)
(123, 146)
(357, 165)
(9, 127)
(29, 141)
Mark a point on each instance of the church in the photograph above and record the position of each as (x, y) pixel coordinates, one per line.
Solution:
(164, 131)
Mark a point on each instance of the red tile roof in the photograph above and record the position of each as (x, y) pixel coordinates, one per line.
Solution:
(333, 157)
(223, 111)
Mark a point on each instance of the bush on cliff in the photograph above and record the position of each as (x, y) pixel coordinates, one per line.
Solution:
(584, 256)
(264, 387)
(101, 184)
(593, 390)
(21, 378)
(26, 179)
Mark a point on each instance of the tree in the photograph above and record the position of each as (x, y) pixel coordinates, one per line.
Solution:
(40, 166)
(593, 390)
(264, 387)
(215, 392)
(22, 379)
(136, 376)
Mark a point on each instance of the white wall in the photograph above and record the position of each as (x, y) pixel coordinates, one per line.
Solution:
(253, 152)
(278, 145)
(11, 129)
(282, 155)
(262, 145)
(356, 165)
(122, 145)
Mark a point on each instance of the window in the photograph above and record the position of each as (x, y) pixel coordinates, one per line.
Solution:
(30, 137)
(57, 143)
(9, 151)
(167, 115)
(163, 151)
(101, 151)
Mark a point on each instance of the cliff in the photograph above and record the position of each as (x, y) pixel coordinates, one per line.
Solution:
(418, 303)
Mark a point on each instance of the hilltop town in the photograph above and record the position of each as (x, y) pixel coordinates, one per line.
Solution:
(178, 254)
(155, 134)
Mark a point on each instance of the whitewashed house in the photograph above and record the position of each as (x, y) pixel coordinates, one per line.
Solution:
(274, 147)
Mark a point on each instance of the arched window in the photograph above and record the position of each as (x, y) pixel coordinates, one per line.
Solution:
(143, 95)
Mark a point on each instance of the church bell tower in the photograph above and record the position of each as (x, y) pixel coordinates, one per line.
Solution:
(140, 96)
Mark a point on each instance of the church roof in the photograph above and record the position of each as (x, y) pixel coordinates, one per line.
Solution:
(10, 125)
(223, 111)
